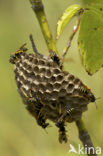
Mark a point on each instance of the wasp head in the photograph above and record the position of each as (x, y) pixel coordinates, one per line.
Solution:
(88, 94)
(16, 55)
(91, 97)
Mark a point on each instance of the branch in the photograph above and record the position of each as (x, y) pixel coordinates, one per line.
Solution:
(34, 46)
(38, 8)
(75, 29)
(85, 137)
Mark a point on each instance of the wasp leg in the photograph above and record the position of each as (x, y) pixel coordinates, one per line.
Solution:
(35, 110)
(62, 133)
(42, 122)
(34, 106)
(64, 115)
(55, 58)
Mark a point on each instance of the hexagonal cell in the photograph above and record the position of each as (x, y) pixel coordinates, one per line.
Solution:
(47, 95)
(62, 92)
(70, 88)
(24, 64)
(31, 55)
(30, 58)
(36, 69)
(70, 77)
(42, 70)
(21, 69)
(57, 85)
(76, 91)
(26, 73)
(49, 86)
(34, 85)
(59, 78)
(19, 84)
(35, 61)
(32, 75)
(42, 87)
(16, 71)
(49, 63)
(64, 83)
(21, 78)
(54, 65)
(52, 79)
(41, 62)
(18, 64)
(54, 94)
(66, 73)
(26, 82)
(28, 68)
(56, 71)
(26, 56)
(44, 79)
(48, 73)
(38, 78)
(76, 81)
(21, 55)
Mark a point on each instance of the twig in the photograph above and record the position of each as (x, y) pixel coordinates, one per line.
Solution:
(34, 46)
(75, 28)
(85, 137)
(38, 8)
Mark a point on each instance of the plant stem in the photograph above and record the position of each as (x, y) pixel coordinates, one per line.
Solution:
(85, 137)
(75, 28)
(34, 46)
(38, 8)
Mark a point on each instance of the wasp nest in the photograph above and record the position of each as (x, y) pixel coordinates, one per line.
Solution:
(49, 92)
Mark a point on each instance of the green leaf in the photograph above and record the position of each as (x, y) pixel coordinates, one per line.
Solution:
(66, 17)
(90, 38)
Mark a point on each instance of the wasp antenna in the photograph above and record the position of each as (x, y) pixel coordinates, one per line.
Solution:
(23, 47)
(98, 98)
(34, 46)
(49, 126)
(45, 131)
(96, 105)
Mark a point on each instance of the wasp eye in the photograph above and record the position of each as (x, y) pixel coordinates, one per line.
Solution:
(86, 92)
(12, 59)
(92, 97)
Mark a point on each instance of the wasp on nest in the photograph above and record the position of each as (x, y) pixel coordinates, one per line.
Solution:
(47, 91)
